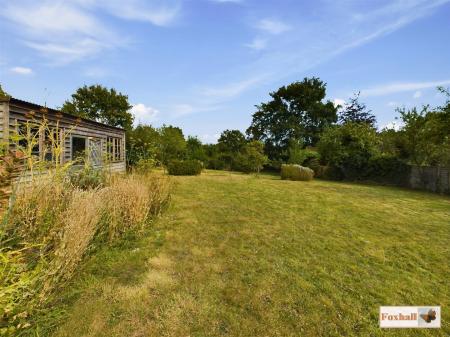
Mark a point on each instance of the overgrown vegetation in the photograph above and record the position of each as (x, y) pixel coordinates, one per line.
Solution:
(184, 167)
(299, 126)
(58, 214)
(296, 172)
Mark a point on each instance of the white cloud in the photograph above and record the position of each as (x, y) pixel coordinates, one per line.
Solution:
(233, 89)
(184, 109)
(392, 104)
(417, 94)
(22, 70)
(394, 125)
(179, 110)
(339, 101)
(144, 114)
(159, 13)
(257, 44)
(394, 88)
(273, 26)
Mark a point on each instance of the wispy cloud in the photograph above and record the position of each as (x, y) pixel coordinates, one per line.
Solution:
(257, 44)
(232, 90)
(22, 70)
(337, 29)
(394, 88)
(272, 26)
(417, 94)
(184, 109)
(72, 30)
(159, 13)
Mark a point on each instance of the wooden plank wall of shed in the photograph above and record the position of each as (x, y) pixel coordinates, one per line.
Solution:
(82, 128)
(4, 115)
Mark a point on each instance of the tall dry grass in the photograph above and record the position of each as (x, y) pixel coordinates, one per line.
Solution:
(296, 172)
(52, 225)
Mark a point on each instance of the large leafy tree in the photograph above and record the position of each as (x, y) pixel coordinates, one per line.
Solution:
(195, 149)
(426, 133)
(142, 143)
(172, 144)
(296, 111)
(356, 112)
(229, 144)
(251, 158)
(100, 104)
(348, 148)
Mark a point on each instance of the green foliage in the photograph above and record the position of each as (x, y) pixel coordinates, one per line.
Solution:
(296, 111)
(214, 160)
(229, 145)
(184, 167)
(388, 170)
(100, 104)
(3, 94)
(144, 166)
(251, 158)
(87, 177)
(427, 135)
(195, 149)
(295, 152)
(301, 156)
(143, 142)
(348, 148)
(296, 172)
(356, 112)
(172, 144)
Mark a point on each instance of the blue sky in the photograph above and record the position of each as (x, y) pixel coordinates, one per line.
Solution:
(203, 64)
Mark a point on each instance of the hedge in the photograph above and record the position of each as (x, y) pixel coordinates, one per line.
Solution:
(184, 167)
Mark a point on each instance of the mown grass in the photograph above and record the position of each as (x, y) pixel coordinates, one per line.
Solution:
(239, 255)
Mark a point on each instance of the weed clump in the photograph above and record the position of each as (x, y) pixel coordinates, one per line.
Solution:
(53, 223)
(296, 172)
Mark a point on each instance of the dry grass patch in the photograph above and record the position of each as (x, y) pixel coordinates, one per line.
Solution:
(52, 225)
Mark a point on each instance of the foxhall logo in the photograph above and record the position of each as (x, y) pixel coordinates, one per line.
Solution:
(410, 317)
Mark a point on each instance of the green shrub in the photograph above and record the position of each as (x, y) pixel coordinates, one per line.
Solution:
(314, 164)
(145, 165)
(184, 167)
(87, 177)
(388, 170)
(348, 148)
(296, 172)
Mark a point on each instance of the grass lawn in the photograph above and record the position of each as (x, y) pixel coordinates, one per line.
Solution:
(239, 255)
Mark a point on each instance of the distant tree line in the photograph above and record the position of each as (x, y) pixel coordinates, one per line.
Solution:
(297, 126)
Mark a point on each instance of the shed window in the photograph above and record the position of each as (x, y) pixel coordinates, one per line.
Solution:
(78, 147)
(115, 148)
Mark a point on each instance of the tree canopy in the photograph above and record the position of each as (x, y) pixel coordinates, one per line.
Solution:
(3, 94)
(356, 112)
(100, 104)
(296, 111)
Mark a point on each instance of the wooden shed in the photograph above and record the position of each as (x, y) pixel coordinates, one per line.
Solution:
(105, 145)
